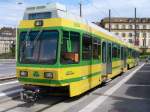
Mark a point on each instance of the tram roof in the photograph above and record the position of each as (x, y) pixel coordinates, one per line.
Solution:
(60, 11)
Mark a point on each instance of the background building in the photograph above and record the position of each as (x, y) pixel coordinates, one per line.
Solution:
(7, 38)
(125, 28)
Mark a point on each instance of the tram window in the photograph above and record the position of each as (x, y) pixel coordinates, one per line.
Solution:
(133, 53)
(96, 48)
(104, 52)
(48, 46)
(129, 53)
(136, 54)
(43, 15)
(122, 53)
(86, 47)
(99, 49)
(118, 56)
(109, 52)
(38, 47)
(114, 51)
(125, 51)
(70, 47)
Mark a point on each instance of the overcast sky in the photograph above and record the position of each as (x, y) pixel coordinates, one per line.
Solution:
(93, 10)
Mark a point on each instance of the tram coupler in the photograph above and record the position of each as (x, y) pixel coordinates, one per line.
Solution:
(30, 93)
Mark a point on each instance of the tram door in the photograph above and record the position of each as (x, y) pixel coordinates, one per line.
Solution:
(109, 58)
(104, 58)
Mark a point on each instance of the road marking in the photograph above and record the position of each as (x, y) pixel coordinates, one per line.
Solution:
(98, 101)
(7, 83)
(10, 93)
(144, 71)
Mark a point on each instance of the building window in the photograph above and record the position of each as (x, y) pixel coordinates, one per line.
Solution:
(123, 34)
(144, 42)
(106, 26)
(130, 20)
(130, 41)
(137, 26)
(137, 20)
(149, 42)
(148, 35)
(144, 35)
(144, 26)
(117, 26)
(130, 27)
(113, 26)
(123, 27)
(130, 34)
(137, 34)
(116, 34)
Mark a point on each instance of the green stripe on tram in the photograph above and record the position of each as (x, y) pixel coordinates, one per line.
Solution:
(48, 81)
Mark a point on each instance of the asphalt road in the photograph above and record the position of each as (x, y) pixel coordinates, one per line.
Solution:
(7, 69)
(129, 92)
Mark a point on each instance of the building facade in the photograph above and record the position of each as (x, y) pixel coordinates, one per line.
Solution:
(7, 38)
(125, 28)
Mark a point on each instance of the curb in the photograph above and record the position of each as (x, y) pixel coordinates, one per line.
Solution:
(8, 78)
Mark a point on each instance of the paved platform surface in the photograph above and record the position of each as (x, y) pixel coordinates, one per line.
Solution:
(129, 92)
(133, 96)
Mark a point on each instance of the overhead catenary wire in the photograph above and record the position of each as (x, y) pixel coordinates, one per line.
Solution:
(114, 10)
(102, 12)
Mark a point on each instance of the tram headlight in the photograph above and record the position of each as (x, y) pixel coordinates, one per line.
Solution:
(48, 75)
(23, 74)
